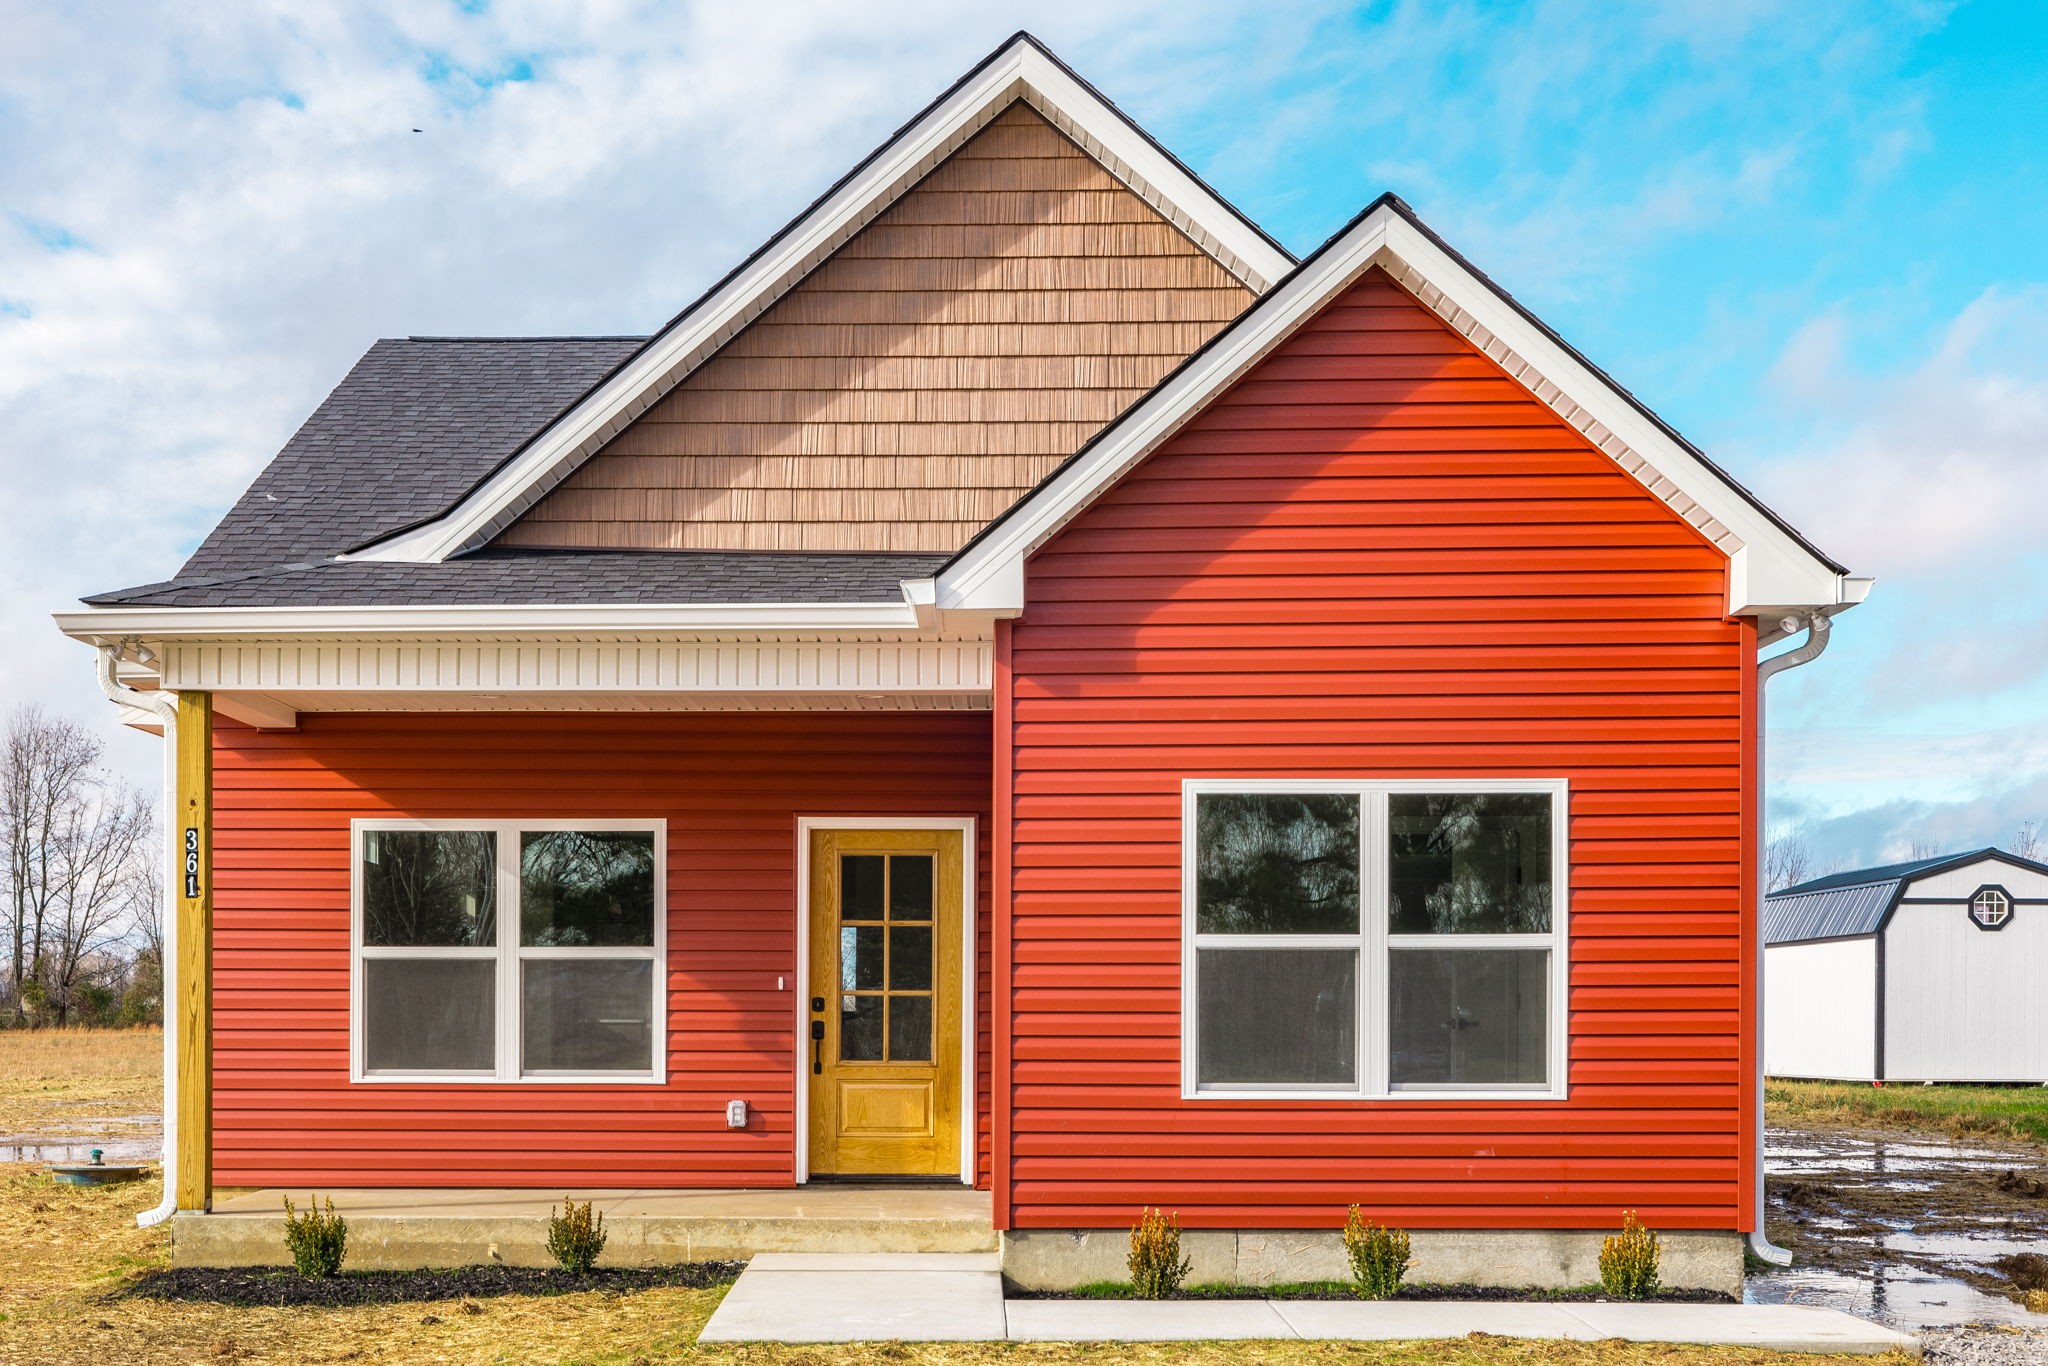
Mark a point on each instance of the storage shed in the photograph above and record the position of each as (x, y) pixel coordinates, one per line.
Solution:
(1921, 971)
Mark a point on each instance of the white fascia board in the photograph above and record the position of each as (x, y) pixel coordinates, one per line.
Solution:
(1769, 567)
(1770, 571)
(160, 623)
(1020, 70)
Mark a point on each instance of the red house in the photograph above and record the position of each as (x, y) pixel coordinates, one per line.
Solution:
(1024, 685)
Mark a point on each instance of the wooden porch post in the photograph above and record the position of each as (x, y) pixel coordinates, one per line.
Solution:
(193, 1180)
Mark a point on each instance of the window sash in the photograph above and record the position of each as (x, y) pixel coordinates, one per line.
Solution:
(1375, 943)
(508, 954)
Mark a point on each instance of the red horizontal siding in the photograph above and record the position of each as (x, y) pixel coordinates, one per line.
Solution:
(1376, 556)
(730, 787)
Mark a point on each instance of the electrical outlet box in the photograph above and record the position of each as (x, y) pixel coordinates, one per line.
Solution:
(735, 1114)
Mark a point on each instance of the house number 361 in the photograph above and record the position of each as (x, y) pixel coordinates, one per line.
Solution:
(191, 860)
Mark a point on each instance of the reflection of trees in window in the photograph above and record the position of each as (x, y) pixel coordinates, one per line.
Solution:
(1276, 863)
(582, 887)
(429, 887)
(1470, 863)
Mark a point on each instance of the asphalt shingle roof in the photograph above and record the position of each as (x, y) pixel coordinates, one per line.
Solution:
(411, 429)
(551, 577)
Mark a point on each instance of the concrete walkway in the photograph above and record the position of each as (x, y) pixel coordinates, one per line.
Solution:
(796, 1297)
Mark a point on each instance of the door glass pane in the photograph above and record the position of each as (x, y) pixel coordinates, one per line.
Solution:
(1470, 863)
(430, 1014)
(588, 1015)
(429, 888)
(910, 957)
(860, 1028)
(860, 886)
(910, 887)
(1277, 1016)
(584, 887)
(1471, 1017)
(860, 957)
(910, 1029)
(1276, 863)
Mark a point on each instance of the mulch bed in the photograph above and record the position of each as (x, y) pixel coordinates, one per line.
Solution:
(1333, 1291)
(258, 1287)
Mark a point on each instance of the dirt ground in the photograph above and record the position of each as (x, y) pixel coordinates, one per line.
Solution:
(81, 1085)
(1973, 1212)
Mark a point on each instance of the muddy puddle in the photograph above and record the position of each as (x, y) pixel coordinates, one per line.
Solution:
(120, 1138)
(1913, 1232)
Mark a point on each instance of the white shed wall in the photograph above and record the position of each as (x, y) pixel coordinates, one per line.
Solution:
(1820, 1010)
(1964, 1004)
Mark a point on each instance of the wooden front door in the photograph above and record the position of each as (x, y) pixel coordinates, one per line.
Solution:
(883, 1045)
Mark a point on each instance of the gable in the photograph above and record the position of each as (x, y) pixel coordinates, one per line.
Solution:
(1772, 573)
(920, 380)
(1378, 451)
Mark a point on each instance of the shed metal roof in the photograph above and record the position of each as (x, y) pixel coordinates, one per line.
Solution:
(1857, 903)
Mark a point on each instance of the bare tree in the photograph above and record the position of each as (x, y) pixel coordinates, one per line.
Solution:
(2026, 841)
(72, 838)
(1787, 863)
(1921, 850)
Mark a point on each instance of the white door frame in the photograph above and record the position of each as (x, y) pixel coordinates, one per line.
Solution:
(970, 1122)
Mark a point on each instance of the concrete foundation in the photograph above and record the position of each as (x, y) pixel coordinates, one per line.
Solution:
(405, 1229)
(1060, 1259)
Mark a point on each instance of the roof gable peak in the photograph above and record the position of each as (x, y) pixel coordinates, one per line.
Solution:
(1023, 69)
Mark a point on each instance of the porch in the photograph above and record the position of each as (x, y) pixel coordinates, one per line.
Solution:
(402, 1229)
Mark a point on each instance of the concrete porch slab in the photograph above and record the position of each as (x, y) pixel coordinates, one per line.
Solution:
(861, 1299)
(402, 1229)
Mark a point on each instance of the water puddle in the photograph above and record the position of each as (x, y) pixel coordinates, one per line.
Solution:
(1909, 1233)
(125, 1138)
(1898, 1298)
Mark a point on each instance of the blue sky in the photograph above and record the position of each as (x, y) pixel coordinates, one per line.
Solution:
(1810, 235)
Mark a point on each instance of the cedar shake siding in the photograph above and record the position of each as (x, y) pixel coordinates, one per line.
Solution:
(731, 787)
(1376, 556)
(920, 380)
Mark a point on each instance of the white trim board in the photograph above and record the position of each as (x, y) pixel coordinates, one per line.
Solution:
(507, 954)
(1020, 69)
(1375, 945)
(970, 1121)
(1771, 569)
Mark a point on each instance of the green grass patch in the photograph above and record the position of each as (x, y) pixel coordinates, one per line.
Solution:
(2007, 1112)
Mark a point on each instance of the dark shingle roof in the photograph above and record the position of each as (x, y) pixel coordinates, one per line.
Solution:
(562, 577)
(412, 429)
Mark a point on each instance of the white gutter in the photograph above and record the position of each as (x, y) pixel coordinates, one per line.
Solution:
(1816, 626)
(166, 708)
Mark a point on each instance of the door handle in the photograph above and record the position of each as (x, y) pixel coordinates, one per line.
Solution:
(817, 1048)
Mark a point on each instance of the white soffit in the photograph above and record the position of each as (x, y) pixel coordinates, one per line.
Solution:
(1771, 569)
(1020, 69)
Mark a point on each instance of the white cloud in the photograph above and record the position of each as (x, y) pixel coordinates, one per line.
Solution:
(1941, 465)
(256, 208)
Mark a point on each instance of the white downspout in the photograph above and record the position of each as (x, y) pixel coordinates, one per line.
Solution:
(165, 706)
(1816, 641)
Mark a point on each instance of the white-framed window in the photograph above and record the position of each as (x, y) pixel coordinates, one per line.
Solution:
(502, 951)
(1991, 907)
(1359, 939)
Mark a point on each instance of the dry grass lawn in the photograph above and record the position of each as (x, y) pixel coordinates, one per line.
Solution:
(66, 1254)
(81, 1083)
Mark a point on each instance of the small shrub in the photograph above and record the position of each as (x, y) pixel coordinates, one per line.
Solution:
(575, 1237)
(316, 1240)
(1157, 1268)
(1628, 1261)
(2036, 1301)
(1379, 1256)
